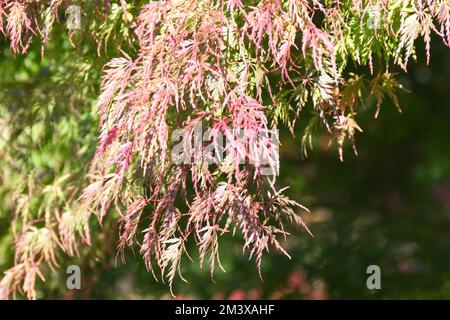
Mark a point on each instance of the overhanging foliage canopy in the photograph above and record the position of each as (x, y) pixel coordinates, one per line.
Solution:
(166, 65)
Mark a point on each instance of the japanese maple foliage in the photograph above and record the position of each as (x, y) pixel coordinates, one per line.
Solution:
(232, 66)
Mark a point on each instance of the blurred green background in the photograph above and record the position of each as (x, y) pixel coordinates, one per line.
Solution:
(389, 206)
